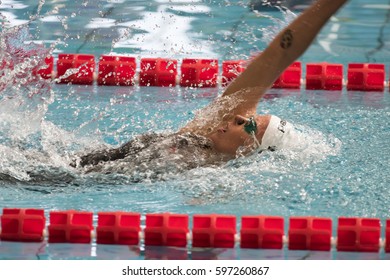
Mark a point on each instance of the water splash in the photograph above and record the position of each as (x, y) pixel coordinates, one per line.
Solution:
(28, 143)
(269, 32)
(36, 149)
(20, 62)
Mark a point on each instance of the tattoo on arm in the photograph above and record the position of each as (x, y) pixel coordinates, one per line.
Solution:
(287, 39)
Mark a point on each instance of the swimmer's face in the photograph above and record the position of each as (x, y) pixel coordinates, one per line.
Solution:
(232, 135)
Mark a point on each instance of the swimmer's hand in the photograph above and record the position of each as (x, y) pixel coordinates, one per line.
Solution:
(94, 158)
(97, 157)
(130, 148)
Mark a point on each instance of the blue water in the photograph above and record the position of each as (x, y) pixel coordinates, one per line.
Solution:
(339, 168)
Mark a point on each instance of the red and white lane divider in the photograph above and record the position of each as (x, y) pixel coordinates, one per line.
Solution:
(208, 230)
(123, 71)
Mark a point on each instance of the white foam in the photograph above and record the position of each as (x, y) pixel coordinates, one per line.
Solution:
(10, 4)
(164, 33)
(12, 20)
(51, 18)
(306, 147)
(101, 23)
(377, 6)
(40, 42)
(12, 163)
(178, 1)
(192, 9)
(332, 36)
(116, 1)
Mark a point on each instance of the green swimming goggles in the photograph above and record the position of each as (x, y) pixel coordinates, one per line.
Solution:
(250, 126)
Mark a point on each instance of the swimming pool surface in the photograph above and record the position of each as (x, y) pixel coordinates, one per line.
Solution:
(339, 168)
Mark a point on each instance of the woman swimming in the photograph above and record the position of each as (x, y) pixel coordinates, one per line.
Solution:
(229, 126)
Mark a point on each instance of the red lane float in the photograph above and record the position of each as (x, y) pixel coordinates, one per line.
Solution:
(310, 233)
(118, 228)
(158, 72)
(166, 230)
(70, 227)
(324, 76)
(366, 77)
(25, 225)
(231, 69)
(4, 64)
(162, 72)
(116, 70)
(75, 69)
(358, 234)
(4, 67)
(265, 232)
(199, 72)
(290, 78)
(46, 72)
(214, 231)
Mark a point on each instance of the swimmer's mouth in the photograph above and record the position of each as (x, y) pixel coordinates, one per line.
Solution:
(223, 129)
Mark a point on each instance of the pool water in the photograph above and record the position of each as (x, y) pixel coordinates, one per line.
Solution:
(338, 168)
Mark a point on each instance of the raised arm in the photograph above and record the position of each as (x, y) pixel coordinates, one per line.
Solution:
(285, 48)
(243, 94)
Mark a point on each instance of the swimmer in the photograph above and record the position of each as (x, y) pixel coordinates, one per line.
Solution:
(228, 127)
